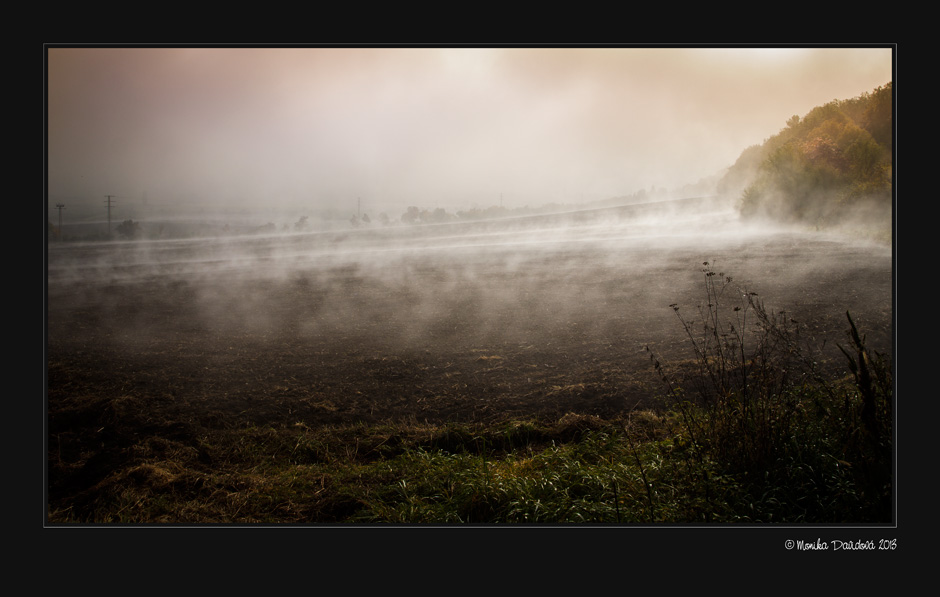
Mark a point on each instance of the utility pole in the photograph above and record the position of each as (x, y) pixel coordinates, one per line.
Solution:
(109, 214)
(60, 207)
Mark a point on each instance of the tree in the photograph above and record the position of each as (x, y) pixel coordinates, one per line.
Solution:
(129, 229)
(410, 216)
(879, 116)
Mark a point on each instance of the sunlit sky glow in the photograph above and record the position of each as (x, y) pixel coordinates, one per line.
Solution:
(311, 128)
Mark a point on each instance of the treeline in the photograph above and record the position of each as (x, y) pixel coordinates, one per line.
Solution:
(418, 215)
(831, 165)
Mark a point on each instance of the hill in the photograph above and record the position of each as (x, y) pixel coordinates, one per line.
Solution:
(832, 167)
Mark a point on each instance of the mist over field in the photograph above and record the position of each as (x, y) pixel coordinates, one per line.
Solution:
(607, 276)
(462, 285)
(448, 200)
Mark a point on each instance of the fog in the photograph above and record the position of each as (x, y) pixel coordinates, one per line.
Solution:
(245, 142)
(257, 313)
(284, 132)
(577, 282)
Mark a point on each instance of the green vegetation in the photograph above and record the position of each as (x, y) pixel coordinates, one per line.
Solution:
(830, 166)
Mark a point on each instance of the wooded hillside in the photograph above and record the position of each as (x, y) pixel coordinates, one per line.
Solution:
(832, 165)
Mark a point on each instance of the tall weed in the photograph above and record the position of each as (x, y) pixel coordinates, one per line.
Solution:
(753, 402)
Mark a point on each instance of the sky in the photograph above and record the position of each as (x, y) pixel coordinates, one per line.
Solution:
(305, 129)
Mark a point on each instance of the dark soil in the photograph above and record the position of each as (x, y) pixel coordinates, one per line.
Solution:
(172, 341)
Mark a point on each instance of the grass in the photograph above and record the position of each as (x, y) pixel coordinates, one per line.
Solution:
(750, 431)
(801, 445)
